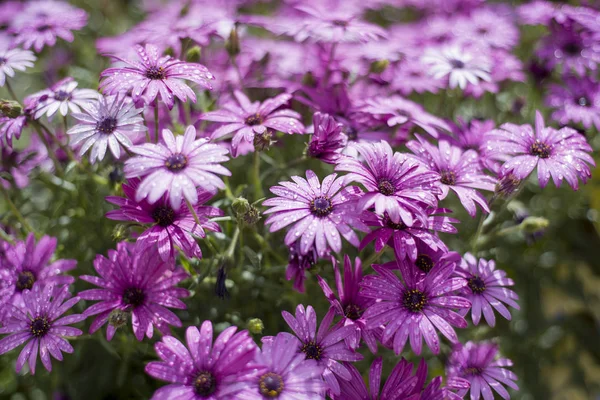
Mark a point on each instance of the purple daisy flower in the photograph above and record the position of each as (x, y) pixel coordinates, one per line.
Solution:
(27, 263)
(487, 28)
(328, 140)
(245, 119)
(401, 384)
(289, 375)
(326, 346)
(351, 304)
(459, 171)
(476, 363)
(61, 97)
(486, 289)
(39, 324)
(14, 59)
(11, 127)
(414, 308)
(177, 166)
(171, 228)
(204, 370)
(405, 240)
(319, 212)
(152, 75)
(460, 65)
(560, 154)
(111, 122)
(41, 22)
(18, 164)
(570, 48)
(397, 184)
(577, 102)
(138, 283)
(396, 110)
(298, 264)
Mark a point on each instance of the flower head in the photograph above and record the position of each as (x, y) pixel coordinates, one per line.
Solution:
(287, 375)
(328, 140)
(170, 228)
(178, 166)
(459, 171)
(152, 75)
(572, 49)
(298, 264)
(415, 307)
(350, 303)
(327, 346)
(244, 119)
(320, 212)
(18, 163)
(39, 324)
(461, 66)
(41, 22)
(396, 184)
(203, 369)
(11, 127)
(138, 283)
(14, 59)
(477, 363)
(560, 154)
(577, 102)
(26, 263)
(111, 121)
(405, 240)
(486, 289)
(61, 97)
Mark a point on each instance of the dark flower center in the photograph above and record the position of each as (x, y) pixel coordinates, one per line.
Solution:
(3, 60)
(134, 297)
(271, 385)
(387, 221)
(473, 371)
(414, 300)
(163, 215)
(386, 187)
(482, 30)
(352, 133)
(339, 22)
(508, 184)
(457, 64)
(176, 162)
(572, 48)
(61, 95)
(43, 28)
(25, 280)
(321, 206)
(205, 384)
(582, 101)
(424, 263)
(254, 119)
(477, 285)
(448, 178)
(415, 74)
(39, 327)
(155, 73)
(353, 312)
(539, 149)
(107, 125)
(312, 350)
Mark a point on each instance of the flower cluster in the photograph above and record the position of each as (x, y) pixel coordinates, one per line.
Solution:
(383, 123)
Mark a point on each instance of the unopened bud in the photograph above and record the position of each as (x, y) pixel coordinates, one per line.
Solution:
(240, 205)
(379, 66)
(256, 326)
(508, 185)
(263, 141)
(120, 233)
(247, 214)
(118, 318)
(116, 175)
(233, 43)
(169, 52)
(185, 9)
(193, 54)
(534, 224)
(308, 79)
(10, 108)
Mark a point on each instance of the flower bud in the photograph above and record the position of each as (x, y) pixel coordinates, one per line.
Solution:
(169, 52)
(263, 141)
(118, 318)
(10, 108)
(240, 205)
(256, 326)
(247, 214)
(193, 54)
(233, 43)
(120, 233)
(116, 175)
(534, 224)
(507, 185)
(377, 67)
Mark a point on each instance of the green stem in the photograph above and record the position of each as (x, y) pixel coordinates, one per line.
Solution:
(11, 91)
(51, 154)
(16, 211)
(6, 237)
(231, 249)
(221, 219)
(258, 190)
(193, 211)
(373, 258)
(478, 232)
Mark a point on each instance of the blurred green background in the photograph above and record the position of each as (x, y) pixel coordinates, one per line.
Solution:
(554, 340)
